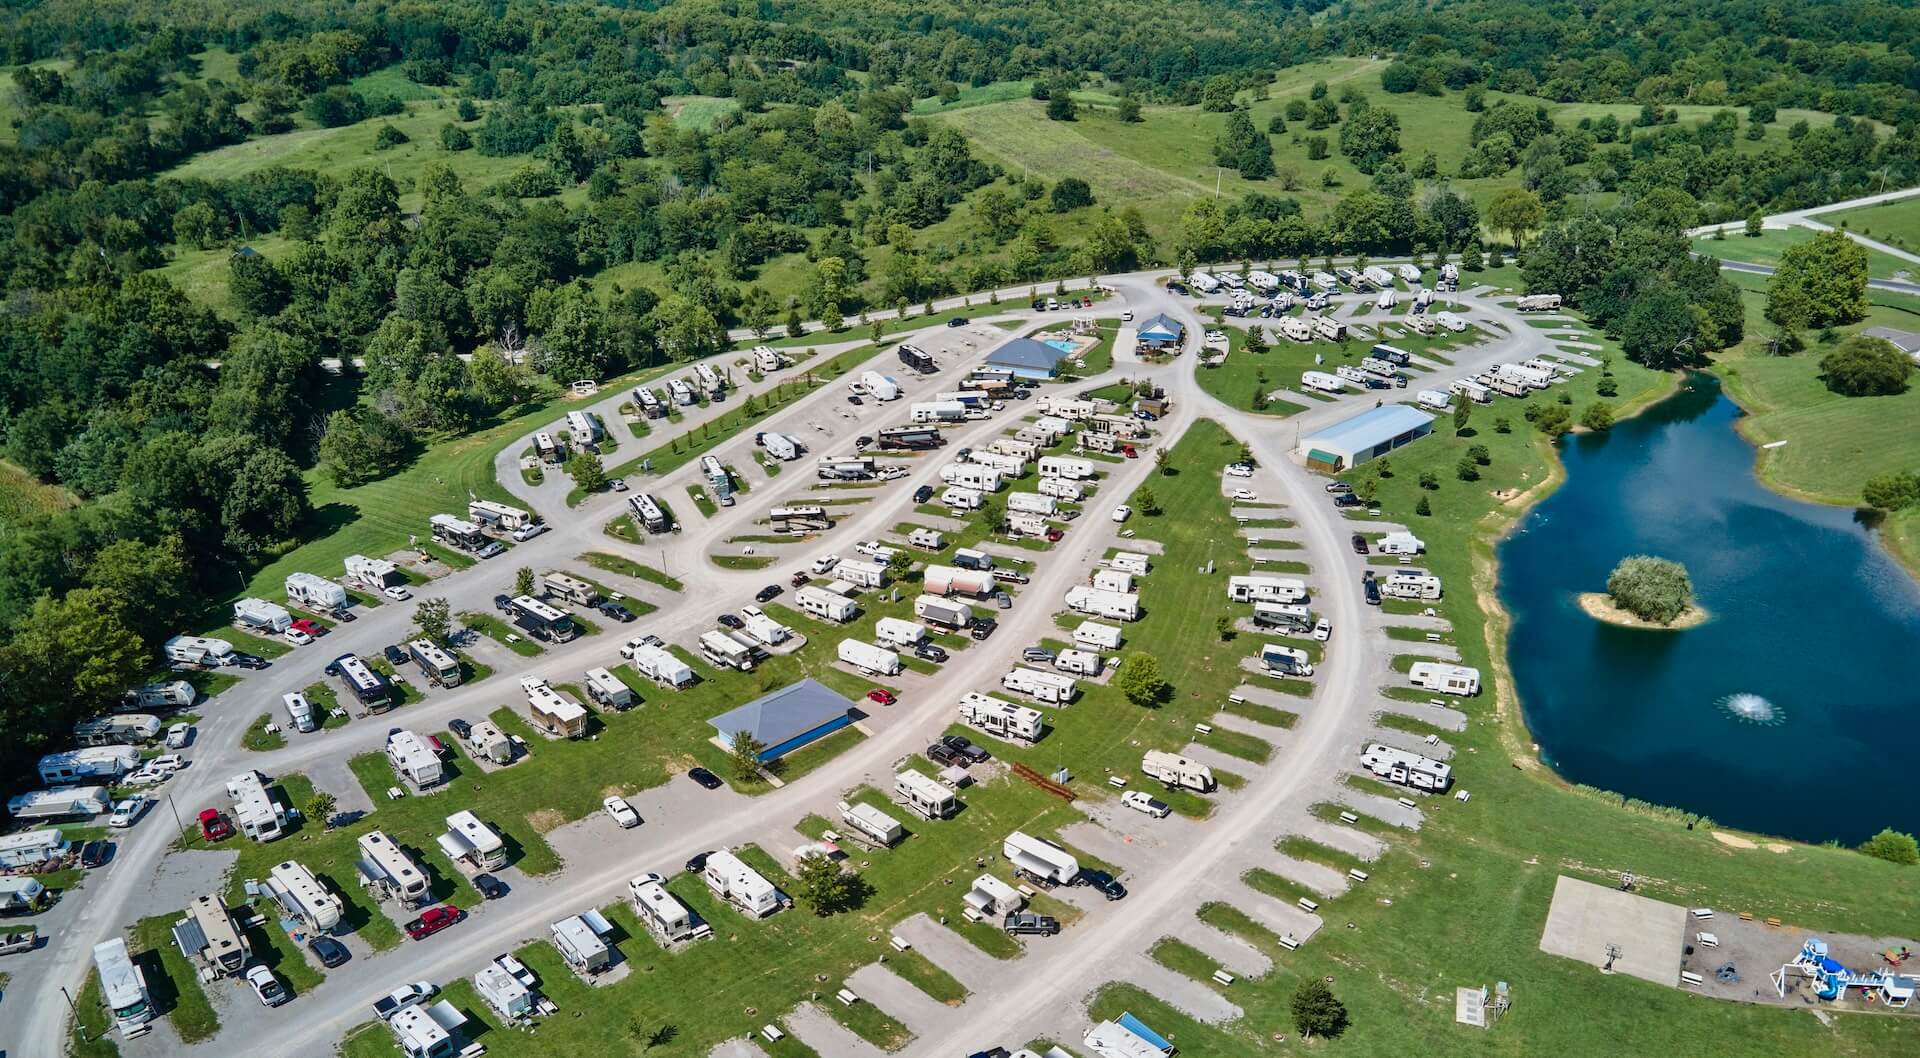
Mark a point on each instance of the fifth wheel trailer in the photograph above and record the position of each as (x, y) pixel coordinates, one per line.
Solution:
(1002, 719)
(1322, 382)
(869, 659)
(1040, 859)
(948, 580)
(1411, 584)
(1462, 680)
(924, 795)
(315, 593)
(1066, 467)
(1176, 771)
(1267, 589)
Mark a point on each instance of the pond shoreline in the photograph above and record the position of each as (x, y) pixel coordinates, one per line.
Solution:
(1599, 606)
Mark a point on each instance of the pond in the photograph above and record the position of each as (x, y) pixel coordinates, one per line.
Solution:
(1793, 711)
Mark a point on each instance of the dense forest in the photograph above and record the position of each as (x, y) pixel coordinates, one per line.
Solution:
(191, 434)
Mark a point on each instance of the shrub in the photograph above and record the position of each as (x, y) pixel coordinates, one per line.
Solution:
(1892, 846)
(1466, 471)
(1652, 589)
(1597, 416)
(1866, 367)
(1893, 491)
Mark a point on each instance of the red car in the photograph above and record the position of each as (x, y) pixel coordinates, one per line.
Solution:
(433, 920)
(214, 826)
(1127, 450)
(1054, 536)
(884, 697)
(307, 626)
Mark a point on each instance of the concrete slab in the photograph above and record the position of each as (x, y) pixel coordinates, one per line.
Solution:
(1213, 758)
(1116, 846)
(888, 991)
(1253, 692)
(953, 953)
(1229, 951)
(1233, 722)
(1202, 1002)
(1648, 935)
(817, 1029)
(1438, 715)
(1282, 917)
(1385, 809)
(1275, 554)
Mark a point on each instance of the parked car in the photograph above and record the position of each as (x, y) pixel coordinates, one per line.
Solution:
(1020, 922)
(146, 777)
(249, 661)
(1037, 655)
(695, 863)
(296, 637)
(769, 593)
(617, 612)
(128, 812)
(490, 888)
(854, 398)
(1359, 544)
(168, 762)
(1102, 882)
(266, 987)
(1239, 470)
(1337, 487)
(179, 735)
(214, 826)
(1122, 513)
(941, 753)
(1372, 590)
(705, 778)
(528, 532)
(503, 603)
(863, 440)
(394, 655)
(622, 812)
(618, 484)
(730, 621)
(825, 563)
(983, 628)
(491, 550)
(1245, 494)
(401, 998)
(923, 494)
(461, 729)
(1054, 536)
(930, 652)
(965, 747)
(330, 952)
(433, 920)
(882, 696)
(1143, 802)
(96, 853)
(396, 593)
(1322, 630)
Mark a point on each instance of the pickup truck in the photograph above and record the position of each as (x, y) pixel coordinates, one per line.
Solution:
(433, 920)
(1029, 922)
(401, 998)
(22, 940)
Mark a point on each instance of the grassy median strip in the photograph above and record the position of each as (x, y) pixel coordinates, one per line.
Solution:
(258, 739)
(927, 976)
(497, 630)
(629, 568)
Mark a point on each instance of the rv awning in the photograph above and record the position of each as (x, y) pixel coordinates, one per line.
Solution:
(978, 899)
(189, 937)
(597, 922)
(456, 846)
(1031, 864)
(446, 1015)
(372, 873)
(1139, 1028)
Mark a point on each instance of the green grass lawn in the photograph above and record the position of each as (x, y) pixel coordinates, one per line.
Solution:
(1894, 223)
(258, 739)
(500, 632)
(1767, 247)
(698, 112)
(172, 982)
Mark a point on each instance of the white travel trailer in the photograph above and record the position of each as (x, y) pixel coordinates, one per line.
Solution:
(1387, 299)
(861, 574)
(609, 691)
(1113, 580)
(581, 941)
(708, 378)
(1410, 273)
(315, 593)
(872, 825)
(924, 795)
(1020, 524)
(880, 387)
(1378, 276)
(1324, 281)
(949, 580)
(767, 358)
(469, 840)
(1131, 561)
(1264, 282)
(1002, 719)
(507, 994)
(1407, 769)
(1450, 321)
(1473, 391)
(972, 476)
(1231, 280)
(1411, 584)
(60, 802)
(1053, 688)
(1009, 466)
(1268, 589)
(1040, 860)
(1285, 661)
(305, 897)
(1061, 489)
(927, 539)
(31, 848)
(1532, 378)
(1437, 400)
(869, 659)
(991, 900)
(1321, 382)
(1356, 376)
(1053, 425)
(1032, 503)
(962, 499)
(1420, 324)
(1507, 385)
(1545, 367)
(1177, 772)
(895, 632)
(1119, 606)
(125, 729)
(780, 446)
(942, 612)
(490, 743)
(1539, 303)
(1295, 329)
(413, 760)
(732, 880)
(818, 602)
(722, 649)
(1329, 328)
(766, 630)
(936, 411)
(1098, 636)
(259, 615)
(661, 666)
(389, 872)
(498, 515)
(1401, 543)
(1066, 467)
(1204, 283)
(1282, 616)
(1463, 680)
(669, 920)
(1079, 661)
(1068, 407)
(255, 811)
(100, 764)
(300, 713)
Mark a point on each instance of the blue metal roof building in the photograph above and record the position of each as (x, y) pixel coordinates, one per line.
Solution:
(1372, 433)
(1027, 358)
(1161, 330)
(788, 718)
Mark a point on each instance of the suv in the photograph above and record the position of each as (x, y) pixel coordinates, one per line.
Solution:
(1037, 655)
(923, 494)
(941, 753)
(1372, 588)
(503, 603)
(1347, 499)
(1028, 922)
(461, 729)
(930, 652)
(983, 628)
(964, 746)
(1359, 544)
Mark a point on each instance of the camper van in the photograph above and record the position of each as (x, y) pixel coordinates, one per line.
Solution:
(1177, 772)
(1002, 719)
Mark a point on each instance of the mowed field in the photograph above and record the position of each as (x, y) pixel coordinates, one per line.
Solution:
(1767, 247)
(1895, 223)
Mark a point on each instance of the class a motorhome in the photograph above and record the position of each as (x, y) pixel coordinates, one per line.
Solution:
(648, 512)
(1282, 616)
(441, 668)
(868, 658)
(681, 393)
(1177, 772)
(767, 358)
(1098, 636)
(648, 403)
(910, 438)
(1462, 680)
(800, 519)
(1002, 719)
(924, 795)
(123, 988)
(1285, 661)
(1268, 589)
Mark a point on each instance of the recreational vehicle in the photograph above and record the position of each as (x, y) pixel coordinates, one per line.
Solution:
(845, 468)
(1097, 636)
(872, 826)
(910, 438)
(1282, 617)
(498, 516)
(123, 989)
(681, 393)
(1378, 276)
(457, 533)
(1295, 329)
(1462, 680)
(948, 580)
(1119, 606)
(304, 897)
(1420, 324)
(766, 630)
(1285, 661)
(468, 840)
(869, 659)
(1009, 466)
(541, 621)
(1024, 450)
(927, 539)
(942, 612)
(210, 940)
(971, 476)
(124, 729)
(898, 633)
(730, 879)
(1321, 382)
(719, 479)
(1411, 584)
(1471, 390)
(1434, 399)
(1066, 467)
(880, 387)
(1053, 688)
(1268, 589)
(1177, 772)
(1032, 503)
(648, 403)
(441, 668)
(1130, 562)
(725, 651)
(581, 941)
(924, 795)
(1002, 719)
(799, 519)
(1450, 321)
(1040, 860)
(413, 760)
(860, 573)
(317, 594)
(818, 602)
(300, 714)
(1060, 489)
(1400, 543)
(669, 920)
(60, 802)
(553, 712)
(368, 687)
(1113, 580)
(1203, 282)
(1539, 303)
(98, 764)
(259, 615)
(583, 427)
(548, 449)
(1329, 328)
(255, 811)
(1081, 662)
(936, 411)
(389, 872)
(779, 446)
(648, 512)
(1407, 769)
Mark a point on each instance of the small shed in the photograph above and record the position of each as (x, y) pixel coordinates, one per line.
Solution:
(1160, 331)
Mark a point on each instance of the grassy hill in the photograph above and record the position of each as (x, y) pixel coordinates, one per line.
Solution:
(1895, 223)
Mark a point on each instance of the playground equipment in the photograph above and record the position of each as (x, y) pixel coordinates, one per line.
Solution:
(1831, 979)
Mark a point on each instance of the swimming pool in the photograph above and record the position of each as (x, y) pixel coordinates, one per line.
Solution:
(1062, 344)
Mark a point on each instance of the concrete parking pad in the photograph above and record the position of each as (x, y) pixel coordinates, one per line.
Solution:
(1586, 918)
(1333, 835)
(1318, 877)
(1437, 715)
(953, 953)
(817, 1029)
(924, 1015)
(741, 1048)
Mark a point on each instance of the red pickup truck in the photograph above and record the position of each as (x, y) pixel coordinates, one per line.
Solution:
(214, 826)
(433, 920)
